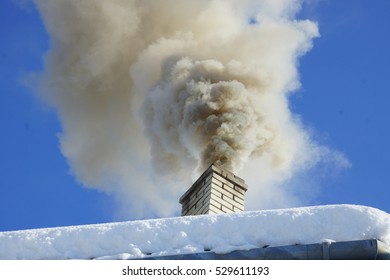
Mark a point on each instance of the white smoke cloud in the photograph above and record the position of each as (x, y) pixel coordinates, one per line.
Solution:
(150, 93)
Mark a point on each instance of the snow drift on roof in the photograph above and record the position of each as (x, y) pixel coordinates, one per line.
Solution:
(194, 234)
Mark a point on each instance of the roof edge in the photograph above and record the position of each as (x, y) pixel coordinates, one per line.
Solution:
(369, 249)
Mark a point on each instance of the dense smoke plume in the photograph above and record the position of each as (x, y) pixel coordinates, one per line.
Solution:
(150, 93)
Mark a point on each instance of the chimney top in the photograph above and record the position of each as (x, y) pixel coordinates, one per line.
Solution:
(217, 190)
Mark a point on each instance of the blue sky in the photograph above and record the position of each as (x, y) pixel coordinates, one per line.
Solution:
(344, 100)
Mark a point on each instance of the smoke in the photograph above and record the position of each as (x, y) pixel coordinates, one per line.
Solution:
(150, 93)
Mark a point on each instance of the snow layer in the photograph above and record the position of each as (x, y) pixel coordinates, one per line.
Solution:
(219, 233)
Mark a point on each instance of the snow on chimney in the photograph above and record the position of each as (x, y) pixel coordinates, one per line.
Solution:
(216, 191)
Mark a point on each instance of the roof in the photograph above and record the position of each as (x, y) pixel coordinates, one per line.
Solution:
(257, 234)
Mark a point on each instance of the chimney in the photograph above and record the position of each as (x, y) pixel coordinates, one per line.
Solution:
(216, 191)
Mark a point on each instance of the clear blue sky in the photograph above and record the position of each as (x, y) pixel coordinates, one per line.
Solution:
(344, 98)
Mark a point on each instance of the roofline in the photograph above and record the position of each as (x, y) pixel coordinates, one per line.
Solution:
(370, 249)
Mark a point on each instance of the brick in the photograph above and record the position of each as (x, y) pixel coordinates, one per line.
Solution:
(232, 191)
(214, 209)
(227, 210)
(233, 202)
(201, 210)
(208, 179)
(217, 182)
(195, 201)
(239, 199)
(205, 204)
(223, 180)
(216, 199)
(238, 209)
(197, 192)
(240, 190)
(223, 191)
(214, 203)
(185, 212)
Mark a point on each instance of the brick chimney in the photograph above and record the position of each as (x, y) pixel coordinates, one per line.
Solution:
(216, 191)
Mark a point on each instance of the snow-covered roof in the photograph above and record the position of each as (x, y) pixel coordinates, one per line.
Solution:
(221, 233)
